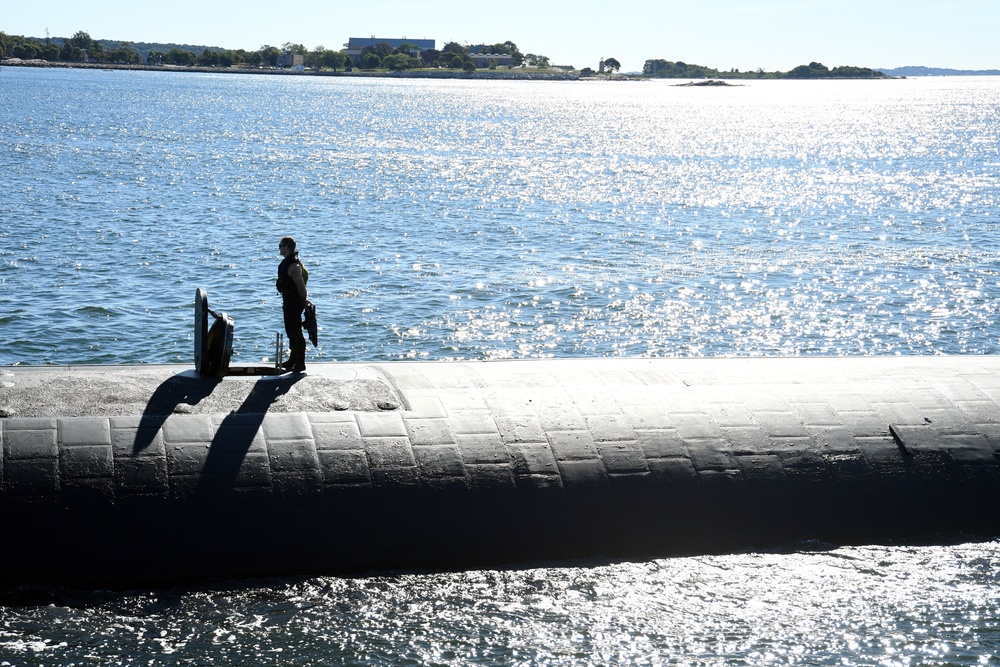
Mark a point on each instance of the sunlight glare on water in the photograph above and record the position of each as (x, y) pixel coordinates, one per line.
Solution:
(486, 220)
(483, 220)
(928, 605)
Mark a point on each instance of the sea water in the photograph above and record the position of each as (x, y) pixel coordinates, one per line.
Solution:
(817, 605)
(488, 220)
(484, 220)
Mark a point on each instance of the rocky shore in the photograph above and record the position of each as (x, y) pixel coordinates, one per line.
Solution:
(709, 83)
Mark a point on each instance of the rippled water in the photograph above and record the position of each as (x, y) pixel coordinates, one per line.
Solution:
(455, 219)
(463, 219)
(926, 605)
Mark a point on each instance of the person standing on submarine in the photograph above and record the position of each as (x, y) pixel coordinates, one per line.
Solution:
(291, 284)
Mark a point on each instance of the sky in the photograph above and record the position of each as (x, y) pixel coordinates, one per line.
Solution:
(775, 35)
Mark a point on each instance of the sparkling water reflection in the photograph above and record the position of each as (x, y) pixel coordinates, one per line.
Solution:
(456, 219)
(921, 605)
(492, 220)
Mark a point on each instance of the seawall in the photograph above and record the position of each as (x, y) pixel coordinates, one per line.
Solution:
(121, 476)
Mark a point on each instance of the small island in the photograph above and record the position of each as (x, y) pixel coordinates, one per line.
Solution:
(665, 69)
(710, 82)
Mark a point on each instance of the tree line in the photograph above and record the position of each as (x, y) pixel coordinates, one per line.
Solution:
(665, 69)
(82, 47)
(75, 49)
(452, 55)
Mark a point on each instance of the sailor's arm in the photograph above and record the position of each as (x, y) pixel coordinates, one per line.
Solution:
(295, 273)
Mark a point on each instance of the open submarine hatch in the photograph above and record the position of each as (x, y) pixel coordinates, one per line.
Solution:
(213, 347)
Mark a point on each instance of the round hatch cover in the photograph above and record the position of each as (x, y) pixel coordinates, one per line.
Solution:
(212, 347)
(200, 330)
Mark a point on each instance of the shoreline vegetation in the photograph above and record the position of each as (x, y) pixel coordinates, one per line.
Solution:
(380, 60)
(526, 74)
(666, 69)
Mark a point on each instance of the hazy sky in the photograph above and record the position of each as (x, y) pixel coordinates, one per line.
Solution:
(772, 34)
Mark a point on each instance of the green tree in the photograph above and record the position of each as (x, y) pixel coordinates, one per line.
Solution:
(508, 47)
(457, 62)
(493, 63)
(269, 55)
(381, 50)
(534, 60)
(81, 40)
(612, 64)
(27, 50)
(813, 70)
(396, 61)
(315, 57)
(469, 66)
(70, 53)
(180, 57)
(454, 48)
(677, 70)
(515, 54)
(335, 60)
(429, 56)
(370, 61)
(490, 48)
(208, 58)
(50, 52)
(850, 72)
(124, 54)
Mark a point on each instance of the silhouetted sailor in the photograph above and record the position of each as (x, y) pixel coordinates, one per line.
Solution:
(291, 284)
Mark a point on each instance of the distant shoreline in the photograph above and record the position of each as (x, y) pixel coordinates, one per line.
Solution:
(921, 71)
(500, 75)
(481, 74)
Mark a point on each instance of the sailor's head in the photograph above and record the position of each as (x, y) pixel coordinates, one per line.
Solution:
(286, 245)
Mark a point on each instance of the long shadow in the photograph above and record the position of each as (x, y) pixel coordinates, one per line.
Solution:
(164, 401)
(235, 435)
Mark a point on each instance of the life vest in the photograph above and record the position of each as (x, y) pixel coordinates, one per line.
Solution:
(284, 282)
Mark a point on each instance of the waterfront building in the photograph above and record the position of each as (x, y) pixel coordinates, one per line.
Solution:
(482, 60)
(290, 60)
